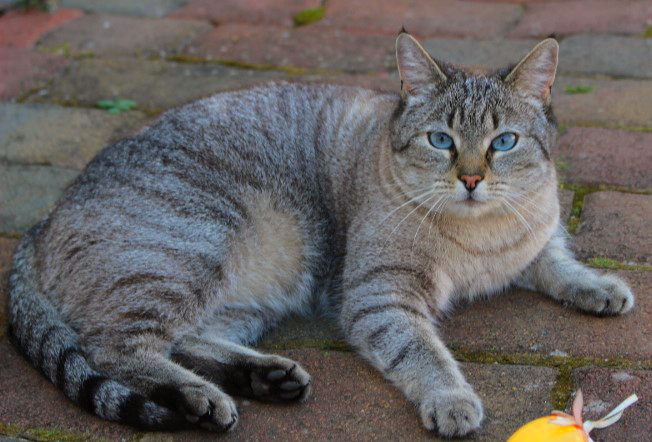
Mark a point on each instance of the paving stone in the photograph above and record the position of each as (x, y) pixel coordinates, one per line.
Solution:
(30, 400)
(351, 401)
(583, 17)
(59, 136)
(23, 70)
(604, 389)
(141, 8)
(296, 331)
(307, 47)
(527, 322)
(595, 156)
(154, 85)
(494, 54)
(607, 54)
(102, 34)
(7, 246)
(610, 103)
(566, 204)
(26, 193)
(22, 29)
(424, 18)
(616, 225)
(259, 12)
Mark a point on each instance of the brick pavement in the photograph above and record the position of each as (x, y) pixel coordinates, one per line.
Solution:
(54, 67)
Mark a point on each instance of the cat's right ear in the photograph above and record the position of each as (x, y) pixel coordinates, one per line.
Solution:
(416, 68)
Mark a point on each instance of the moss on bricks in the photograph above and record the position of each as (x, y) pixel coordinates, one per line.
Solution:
(308, 16)
(293, 70)
(612, 264)
(45, 434)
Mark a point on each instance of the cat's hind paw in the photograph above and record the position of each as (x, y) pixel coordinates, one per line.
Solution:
(608, 295)
(452, 413)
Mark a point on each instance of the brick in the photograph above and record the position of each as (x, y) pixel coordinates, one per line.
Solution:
(583, 17)
(23, 70)
(611, 103)
(22, 29)
(26, 193)
(59, 136)
(7, 246)
(616, 225)
(494, 54)
(307, 47)
(141, 8)
(259, 12)
(30, 400)
(607, 55)
(527, 322)
(424, 18)
(351, 401)
(605, 156)
(604, 389)
(102, 34)
(154, 85)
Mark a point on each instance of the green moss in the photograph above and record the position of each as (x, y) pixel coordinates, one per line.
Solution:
(611, 264)
(578, 89)
(563, 389)
(308, 16)
(648, 32)
(65, 51)
(563, 164)
(293, 70)
(30, 4)
(45, 434)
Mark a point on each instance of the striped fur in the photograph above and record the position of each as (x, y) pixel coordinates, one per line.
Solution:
(178, 247)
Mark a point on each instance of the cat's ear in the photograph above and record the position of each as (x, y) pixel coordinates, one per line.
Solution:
(534, 75)
(416, 68)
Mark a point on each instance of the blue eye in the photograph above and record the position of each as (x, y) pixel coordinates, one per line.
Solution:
(504, 141)
(440, 140)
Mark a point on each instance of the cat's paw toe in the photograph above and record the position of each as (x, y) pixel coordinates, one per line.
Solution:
(280, 379)
(608, 296)
(453, 413)
(208, 407)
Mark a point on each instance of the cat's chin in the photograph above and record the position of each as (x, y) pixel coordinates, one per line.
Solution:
(471, 208)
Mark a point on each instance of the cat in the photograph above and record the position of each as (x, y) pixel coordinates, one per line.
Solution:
(177, 248)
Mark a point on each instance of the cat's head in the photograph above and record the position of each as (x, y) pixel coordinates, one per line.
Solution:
(469, 143)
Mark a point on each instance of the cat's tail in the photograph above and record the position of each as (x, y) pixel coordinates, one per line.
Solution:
(52, 346)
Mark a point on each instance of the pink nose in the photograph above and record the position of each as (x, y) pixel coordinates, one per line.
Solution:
(470, 181)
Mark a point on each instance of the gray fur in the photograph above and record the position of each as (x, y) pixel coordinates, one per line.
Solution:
(176, 248)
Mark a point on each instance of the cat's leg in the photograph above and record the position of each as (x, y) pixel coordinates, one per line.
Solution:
(558, 274)
(148, 370)
(385, 316)
(241, 371)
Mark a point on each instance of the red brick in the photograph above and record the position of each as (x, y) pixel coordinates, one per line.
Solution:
(267, 12)
(305, 47)
(423, 18)
(585, 16)
(616, 225)
(604, 389)
(604, 156)
(610, 103)
(22, 29)
(526, 322)
(22, 70)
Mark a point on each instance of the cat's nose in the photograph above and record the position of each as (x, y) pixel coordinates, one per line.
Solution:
(470, 181)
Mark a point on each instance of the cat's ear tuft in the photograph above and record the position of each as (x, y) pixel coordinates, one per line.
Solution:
(416, 68)
(534, 75)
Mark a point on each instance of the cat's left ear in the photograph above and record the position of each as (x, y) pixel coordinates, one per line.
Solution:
(534, 75)
(416, 68)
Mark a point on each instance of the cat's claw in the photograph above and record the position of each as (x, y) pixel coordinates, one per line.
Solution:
(606, 296)
(452, 413)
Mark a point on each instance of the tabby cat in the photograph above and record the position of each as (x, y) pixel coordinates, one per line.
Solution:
(177, 248)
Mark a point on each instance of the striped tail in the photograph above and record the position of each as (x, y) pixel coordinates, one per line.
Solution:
(52, 346)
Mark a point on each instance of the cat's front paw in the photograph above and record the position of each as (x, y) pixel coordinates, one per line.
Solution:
(607, 295)
(452, 413)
